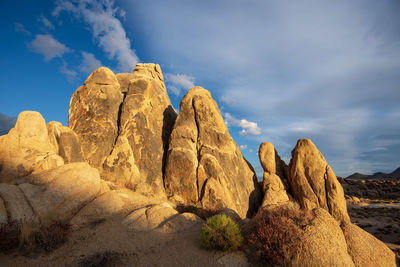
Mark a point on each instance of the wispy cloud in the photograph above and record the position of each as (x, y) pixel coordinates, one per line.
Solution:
(69, 73)
(49, 47)
(106, 28)
(18, 27)
(243, 147)
(248, 127)
(178, 82)
(42, 19)
(89, 62)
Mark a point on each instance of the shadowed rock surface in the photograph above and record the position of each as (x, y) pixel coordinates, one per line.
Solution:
(313, 183)
(204, 164)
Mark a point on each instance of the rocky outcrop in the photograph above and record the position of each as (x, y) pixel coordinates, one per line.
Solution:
(58, 194)
(322, 244)
(274, 176)
(145, 123)
(313, 183)
(204, 164)
(93, 115)
(65, 142)
(27, 148)
(365, 249)
(16, 205)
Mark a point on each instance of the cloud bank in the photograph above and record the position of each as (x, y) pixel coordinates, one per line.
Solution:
(329, 71)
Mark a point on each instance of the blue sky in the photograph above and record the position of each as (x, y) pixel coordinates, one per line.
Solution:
(279, 70)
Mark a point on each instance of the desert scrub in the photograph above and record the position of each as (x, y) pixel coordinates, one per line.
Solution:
(197, 209)
(275, 234)
(221, 232)
(29, 237)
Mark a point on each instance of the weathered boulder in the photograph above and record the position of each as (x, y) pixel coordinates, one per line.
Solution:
(93, 115)
(313, 183)
(322, 243)
(3, 212)
(204, 164)
(111, 204)
(26, 148)
(149, 218)
(274, 176)
(146, 121)
(58, 194)
(16, 205)
(65, 142)
(182, 222)
(365, 249)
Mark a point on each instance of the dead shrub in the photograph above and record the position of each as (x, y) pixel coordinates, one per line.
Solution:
(29, 237)
(102, 259)
(9, 236)
(275, 233)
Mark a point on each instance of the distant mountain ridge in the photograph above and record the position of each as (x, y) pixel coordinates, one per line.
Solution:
(395, 175)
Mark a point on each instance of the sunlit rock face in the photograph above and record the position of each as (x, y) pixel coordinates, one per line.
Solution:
(27, 148)
(274, 176)
(313, 183)
(124, 122)
(204, 164)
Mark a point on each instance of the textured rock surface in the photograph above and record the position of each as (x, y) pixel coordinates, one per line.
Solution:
(322, 244)
(149, 218)
(204, 164)
(65, 142)
(27, 148)
(58, 194)
(365, 249)
(3, 212)
(146, 121)
(274, 176)
(93, 115)
(313, 183)
(124, 80)
(16, 204)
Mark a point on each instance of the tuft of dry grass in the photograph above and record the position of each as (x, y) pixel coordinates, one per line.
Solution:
(29, 237)
(275, 233)
(198, 210)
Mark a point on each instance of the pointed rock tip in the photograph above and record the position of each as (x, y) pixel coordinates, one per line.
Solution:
(151, 70)
(29, 118)
(103, 76)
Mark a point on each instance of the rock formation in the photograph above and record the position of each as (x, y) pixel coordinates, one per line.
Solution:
(27, 148)
(274, 176)
(204, 164)
(145, 123)
(313, 183)
(124, 122)
(93, 115)
(65, 142)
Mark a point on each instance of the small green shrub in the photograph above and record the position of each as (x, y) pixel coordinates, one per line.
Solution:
(221, 232)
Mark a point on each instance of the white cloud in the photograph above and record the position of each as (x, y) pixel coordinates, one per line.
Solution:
(228, 99)
(18, 27)
(177, 82)
(49, 47)
(243, 147)
(248, 127)
(251, 150)
(69, 73)
(106, 28)
(46, 22)
(89, 62)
